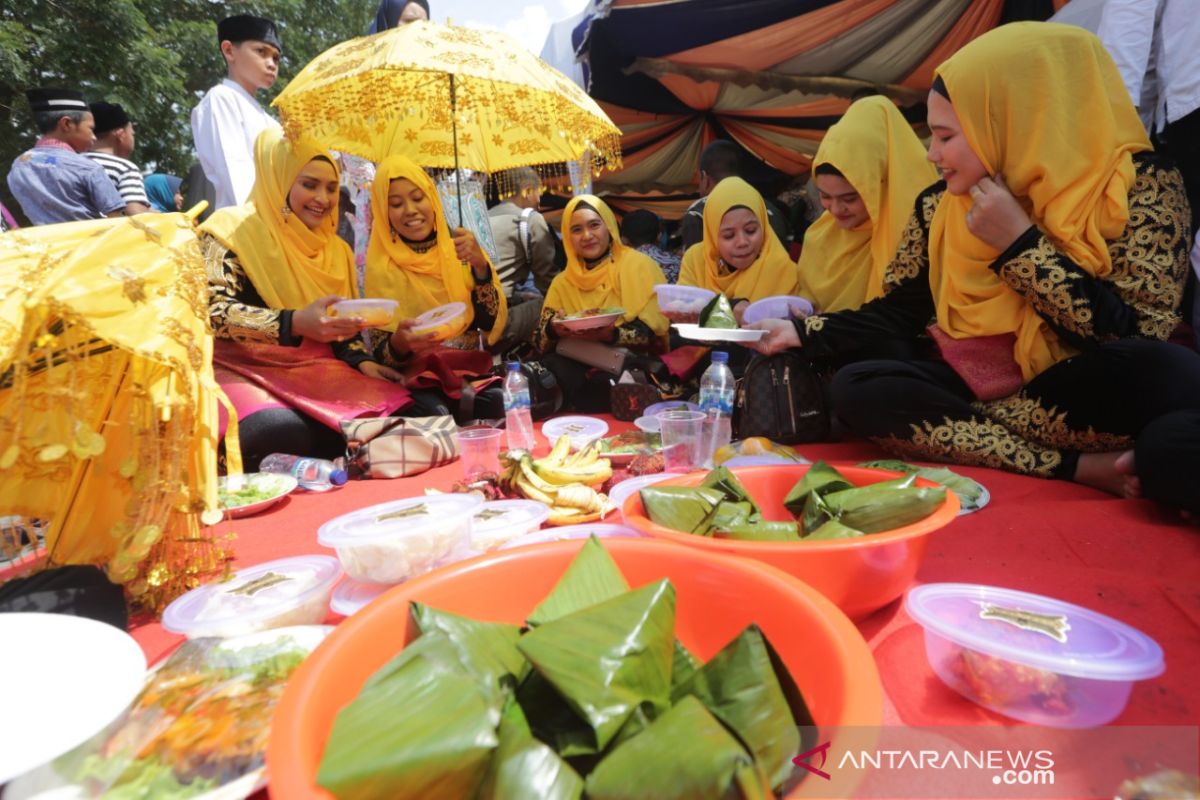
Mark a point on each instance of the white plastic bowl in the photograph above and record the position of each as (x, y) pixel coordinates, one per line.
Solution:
(1031, 657)
(373, 311)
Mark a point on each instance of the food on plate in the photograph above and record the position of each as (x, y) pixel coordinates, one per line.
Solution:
(755, 446)
(826, 506)
(718, 314)
(587, 313)
(630, 443)
(971, 494)
(251, 492)
(593, 695)
(562, 480)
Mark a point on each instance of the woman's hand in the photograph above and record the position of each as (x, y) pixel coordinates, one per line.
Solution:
(402, 342)
(996, 217)
(373, 369)
(467, 249)
(781, 335)
(311, 322)
(739, 310)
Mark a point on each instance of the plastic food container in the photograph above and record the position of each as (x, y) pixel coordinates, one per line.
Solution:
(682, 303)
(392, 542)
(289, 591)
(780, 306)
(373, 311)
(500, 521)
(443, 322)
(352, 596)
(582, 431)
(1031, 657)
(622, 490)
(601, 530)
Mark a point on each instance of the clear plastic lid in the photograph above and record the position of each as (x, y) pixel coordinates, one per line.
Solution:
(580, 429)
(620, 493)
(253, 595)
(398, 519)
(352, 596)
(1035, 631)
(781, 306)
(495, 519)
(600, 530)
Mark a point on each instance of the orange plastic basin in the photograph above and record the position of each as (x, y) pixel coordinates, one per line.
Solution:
(860, 575)
(716, 597)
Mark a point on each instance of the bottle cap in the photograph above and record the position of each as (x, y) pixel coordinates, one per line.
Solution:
(720, 357)
(338, 477)
(513, 366)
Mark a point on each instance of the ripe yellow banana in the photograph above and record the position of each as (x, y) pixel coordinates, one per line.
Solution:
(597, 472)
(559, 453)
(529, 473)
(584, 457)
(570, 516)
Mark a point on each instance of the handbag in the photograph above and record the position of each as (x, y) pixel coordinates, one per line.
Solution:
(604, 357)
(629, 400)
(781, 398)
(985, 363)
(396, 447)
(545, 395)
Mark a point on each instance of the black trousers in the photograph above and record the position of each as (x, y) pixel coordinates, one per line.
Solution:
(1130, 393)
(584, 388)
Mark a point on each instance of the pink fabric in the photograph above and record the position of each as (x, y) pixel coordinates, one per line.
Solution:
(307, 378)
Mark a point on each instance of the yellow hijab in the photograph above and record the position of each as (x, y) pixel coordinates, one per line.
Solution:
(1042, 105)
(626, 278)
(289, 264)
(772, 273)
(875, 149)
(419, 281)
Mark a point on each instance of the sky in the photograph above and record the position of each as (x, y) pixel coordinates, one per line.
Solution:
(527, 22)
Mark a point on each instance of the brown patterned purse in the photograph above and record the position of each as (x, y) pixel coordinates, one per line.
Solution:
(396, 447)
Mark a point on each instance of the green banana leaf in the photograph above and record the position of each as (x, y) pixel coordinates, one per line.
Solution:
(818, 510)
(816, 513)
(553, 721)
(426, 731)
(724, 480)
(729, 514)
(761, 531)
(609, 658)
(969, 491)
(738, 685)
(883, 507)
(682, 508)
(832, 529)
(591, 578)
(488, 649)
(685, 753)
(683, 667)
(522, 767)
(820, 478)
(718, 314)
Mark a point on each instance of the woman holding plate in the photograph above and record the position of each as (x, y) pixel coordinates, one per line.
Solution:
(275, 266)
(415, 259)
(1052, 259)
(601, 274)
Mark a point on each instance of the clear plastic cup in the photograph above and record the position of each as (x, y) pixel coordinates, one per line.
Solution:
(682, 438)
(479, 449)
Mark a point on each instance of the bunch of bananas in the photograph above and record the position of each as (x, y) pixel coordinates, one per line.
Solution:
(561, 480)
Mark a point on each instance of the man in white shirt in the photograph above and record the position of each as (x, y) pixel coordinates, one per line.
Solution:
(229, 119)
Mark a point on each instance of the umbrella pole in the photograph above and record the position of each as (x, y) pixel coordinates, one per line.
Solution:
(454, 135)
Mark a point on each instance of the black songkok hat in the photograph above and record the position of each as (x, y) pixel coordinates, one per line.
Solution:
(244, 27)
(56, 100)
(109, 117)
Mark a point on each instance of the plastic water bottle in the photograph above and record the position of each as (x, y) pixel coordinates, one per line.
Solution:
(716, 400)
(518, 419)
(313, 474)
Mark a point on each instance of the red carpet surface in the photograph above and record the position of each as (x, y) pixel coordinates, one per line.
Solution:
(1126, 558)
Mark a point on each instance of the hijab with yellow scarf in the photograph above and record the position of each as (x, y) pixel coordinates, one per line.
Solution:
(878, 153)
(289, 264)
(626, 278)
(419, 281)
(772, 273)
(1043, 107)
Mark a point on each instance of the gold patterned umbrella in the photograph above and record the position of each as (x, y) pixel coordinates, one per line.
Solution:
(448, 97)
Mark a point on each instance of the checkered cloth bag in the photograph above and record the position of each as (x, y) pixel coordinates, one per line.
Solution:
(395, 447)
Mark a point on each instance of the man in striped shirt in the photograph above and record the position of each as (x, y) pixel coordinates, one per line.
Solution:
(114, 145)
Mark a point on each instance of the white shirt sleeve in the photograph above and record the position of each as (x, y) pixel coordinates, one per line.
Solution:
(218, 130)
(1127, 30)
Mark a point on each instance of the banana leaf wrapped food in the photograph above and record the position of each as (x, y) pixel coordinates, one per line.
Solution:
(971, 494)
(592, 701)
(718, 314)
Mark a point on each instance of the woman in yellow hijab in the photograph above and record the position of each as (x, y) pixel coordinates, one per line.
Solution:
(740, 256)
(869, 169)
(601, 273)
(275, 265)
(1052, 259)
